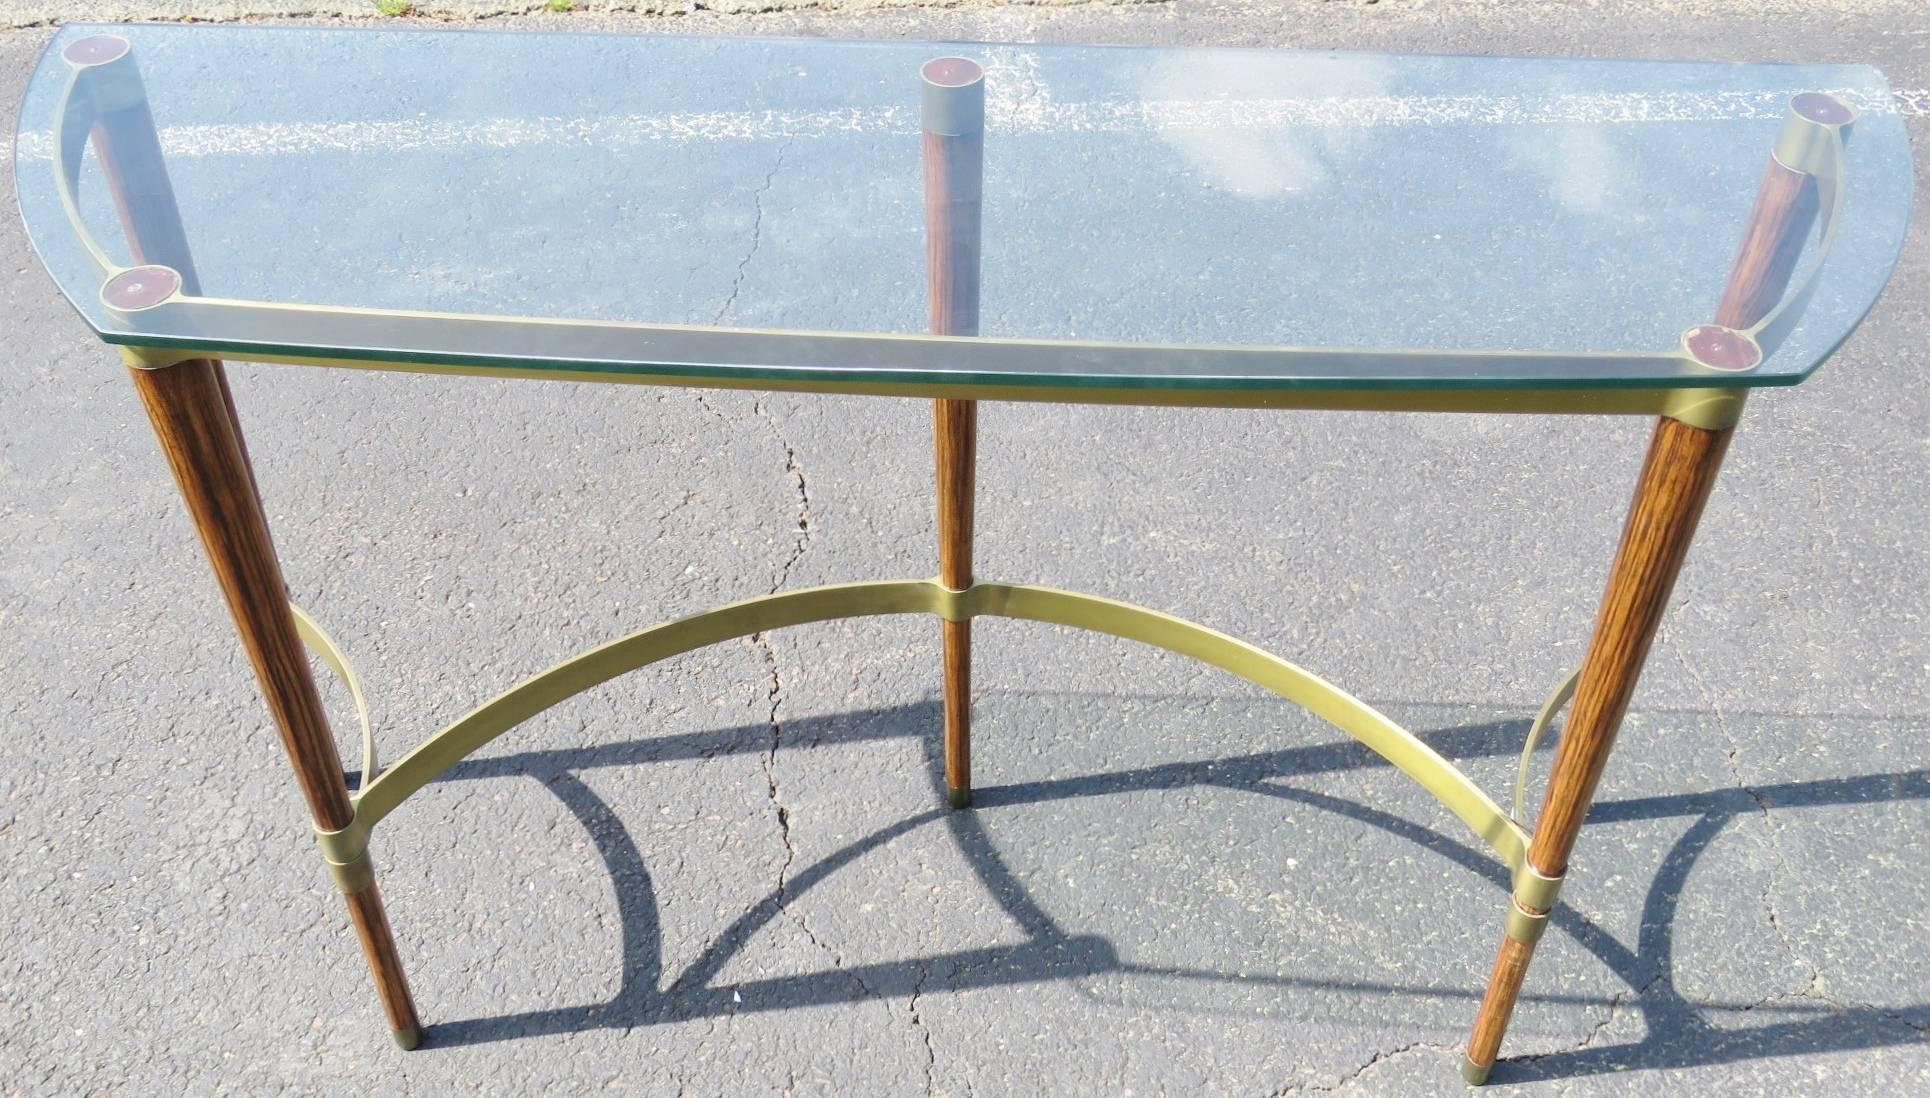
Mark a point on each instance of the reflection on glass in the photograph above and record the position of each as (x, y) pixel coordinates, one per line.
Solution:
(1152, 218)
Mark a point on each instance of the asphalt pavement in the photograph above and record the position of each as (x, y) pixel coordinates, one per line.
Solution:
(734, 874)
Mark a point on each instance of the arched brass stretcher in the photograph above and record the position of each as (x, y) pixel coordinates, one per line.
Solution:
(171, 336)
(382, 791)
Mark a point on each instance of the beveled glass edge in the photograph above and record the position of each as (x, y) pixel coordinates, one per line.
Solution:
(176, 347)
(1707, 407)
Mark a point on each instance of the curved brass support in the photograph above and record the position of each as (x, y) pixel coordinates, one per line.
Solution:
(1455, 790)
(330, 653)
(1557, 698)
(601, 664)
(93, 88)
(70, 147)
(1041, 604)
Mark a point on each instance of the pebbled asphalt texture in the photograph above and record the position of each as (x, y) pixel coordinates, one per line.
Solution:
(734, 874)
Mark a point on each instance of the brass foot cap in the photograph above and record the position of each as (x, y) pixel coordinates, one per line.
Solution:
(1475, 1074)
(960, 798)
(408, 1039)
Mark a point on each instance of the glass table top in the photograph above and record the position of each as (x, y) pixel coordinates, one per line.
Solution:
(787, 208)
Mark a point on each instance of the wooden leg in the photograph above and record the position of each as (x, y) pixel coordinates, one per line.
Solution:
(1676, 479)
(385, 964)
(952, 124)
(956, 439)
(187, 404)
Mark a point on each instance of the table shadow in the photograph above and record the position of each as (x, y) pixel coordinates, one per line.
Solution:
(1678, 1031)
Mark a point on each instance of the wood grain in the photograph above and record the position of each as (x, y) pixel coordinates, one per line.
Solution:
(1497, 1005)
(190, 419)
(1678, 474)
(1675, 483)
(956, 444)
(1677, 477)
(954, 215)
(1778, 225)
(134, 170)
(385, 964)
(192, 423)
(953, 212)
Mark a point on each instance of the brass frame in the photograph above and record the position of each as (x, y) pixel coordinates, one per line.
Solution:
(377, 797)
(330, 653)
(1557, 698)
(1711, 408)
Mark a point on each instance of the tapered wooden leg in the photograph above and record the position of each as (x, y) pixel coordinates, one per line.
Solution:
(1676, 479)
(191, 416)
(371, 921)
(953, 138)
(194, 417)
(956, 446)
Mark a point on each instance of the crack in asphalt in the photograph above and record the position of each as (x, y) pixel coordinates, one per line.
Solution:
(775, 695)
(1776, 852)
(743, 264)
(757, 233)
(800, 485)
(1615, 1005)
(924, 1033)
(794, 473)
(1620, 1007)
(1347, 1079)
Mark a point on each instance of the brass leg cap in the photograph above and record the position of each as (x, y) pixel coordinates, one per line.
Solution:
(408, 1039)
(960, 797)
(1475, 1074)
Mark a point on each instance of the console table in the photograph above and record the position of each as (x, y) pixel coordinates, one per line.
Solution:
(959, 223)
